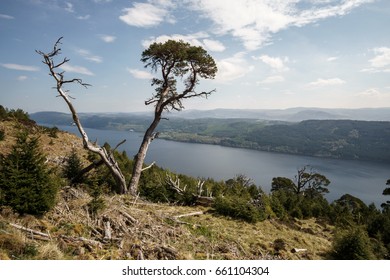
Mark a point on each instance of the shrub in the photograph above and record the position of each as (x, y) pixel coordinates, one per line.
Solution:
(73, 167)
(15, 247)
(237, 207)
(25, 182)
(97, 203)
(52, 132)
(277, 207)
(353, 244)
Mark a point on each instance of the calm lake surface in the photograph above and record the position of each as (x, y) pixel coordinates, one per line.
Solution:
(363, 179)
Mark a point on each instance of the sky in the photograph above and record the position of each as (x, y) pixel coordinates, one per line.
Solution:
(271, 54)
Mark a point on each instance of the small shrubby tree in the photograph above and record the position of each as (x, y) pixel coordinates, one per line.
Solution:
(242, 199)
(73, 168)
(25, 181)
(352, 244)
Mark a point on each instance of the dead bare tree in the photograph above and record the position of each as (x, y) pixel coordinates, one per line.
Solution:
(175, 59)
(199, 198)
(106, 157)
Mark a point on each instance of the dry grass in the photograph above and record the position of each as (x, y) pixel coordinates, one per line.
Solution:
(55, 148)
(133, 229)
(128, 228)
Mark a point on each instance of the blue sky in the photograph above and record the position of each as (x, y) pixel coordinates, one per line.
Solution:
(270, 53)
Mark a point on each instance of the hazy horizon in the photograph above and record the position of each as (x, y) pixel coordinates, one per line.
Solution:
(150, 109)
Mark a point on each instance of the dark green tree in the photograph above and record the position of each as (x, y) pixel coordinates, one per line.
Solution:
(73, 167)
(283, 183)
(3, 112)
(354, 207)
(386, 206)
(25, 181)
(307, 182)
(176, 60)
(353, 244)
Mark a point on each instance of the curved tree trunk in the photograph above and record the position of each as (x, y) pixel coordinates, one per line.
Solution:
(140, 156)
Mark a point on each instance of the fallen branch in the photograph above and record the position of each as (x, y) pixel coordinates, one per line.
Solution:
(133, 220)
(297, 250)
(189, 214)
(107, 230)
(82, 239)
(31, 231)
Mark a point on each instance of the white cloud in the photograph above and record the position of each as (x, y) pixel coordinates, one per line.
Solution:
(195, 39)
(88, 56)
(380, 62)
(232, 68)
(255, 21)
(108, 38)
(69, 7)
(20, 67)
(382, 58)
(139, 74)
(22, 78)
(276, 63)
(76, 69)
(326, 82)
(318, 13)
(145, 15)
(3, 16)
(163, 3)
(373, 92)
(332, 58)
(84, 17)
(272, 79)
(213, 45)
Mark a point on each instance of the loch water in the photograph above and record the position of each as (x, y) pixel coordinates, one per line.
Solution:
(363, 179)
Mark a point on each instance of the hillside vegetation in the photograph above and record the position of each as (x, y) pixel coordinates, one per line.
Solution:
(167, 220)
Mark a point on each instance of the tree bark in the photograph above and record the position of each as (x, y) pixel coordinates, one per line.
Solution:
(140, 156)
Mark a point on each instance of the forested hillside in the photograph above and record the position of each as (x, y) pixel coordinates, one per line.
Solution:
(344, 139)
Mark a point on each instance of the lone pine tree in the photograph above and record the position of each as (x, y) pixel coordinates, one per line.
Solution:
(174, 60)
(25, 181)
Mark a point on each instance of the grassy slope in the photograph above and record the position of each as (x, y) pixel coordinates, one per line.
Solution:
(140, 229)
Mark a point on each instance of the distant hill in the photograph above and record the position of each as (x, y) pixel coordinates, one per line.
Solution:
(292, 114)
(341, 138)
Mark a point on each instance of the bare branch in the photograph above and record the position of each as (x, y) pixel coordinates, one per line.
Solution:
(65, 60)
(199, 187)
(149, 166)
(79, 81)
(120, 143)
(175, 184)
